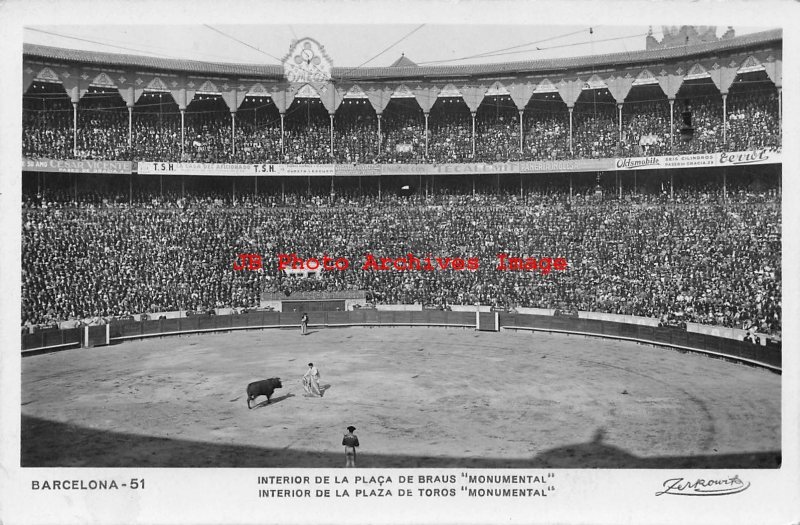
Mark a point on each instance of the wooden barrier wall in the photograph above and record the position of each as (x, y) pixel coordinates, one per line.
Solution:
(50, 340)
(665, 335)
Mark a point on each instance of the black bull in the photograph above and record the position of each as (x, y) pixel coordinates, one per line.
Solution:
(265, 387)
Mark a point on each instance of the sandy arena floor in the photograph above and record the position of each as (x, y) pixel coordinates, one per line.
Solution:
(420, 397)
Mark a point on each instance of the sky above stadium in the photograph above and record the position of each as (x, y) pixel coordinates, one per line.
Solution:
(366, 44)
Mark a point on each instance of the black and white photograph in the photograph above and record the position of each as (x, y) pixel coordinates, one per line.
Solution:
(398, 262)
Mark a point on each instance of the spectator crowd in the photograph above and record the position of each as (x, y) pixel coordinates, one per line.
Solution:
(691, 259)
(211, 135)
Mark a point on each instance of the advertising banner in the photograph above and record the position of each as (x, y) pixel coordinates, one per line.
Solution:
(404, 169)
(110, 167)
(472, 168)
(566, 166)
(725, 158)
(490, 168)
(738, 158)
(357, 170)
(196, 168)
(304, 170)
(193, 168)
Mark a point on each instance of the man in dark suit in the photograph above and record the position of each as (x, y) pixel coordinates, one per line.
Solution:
(350, 442)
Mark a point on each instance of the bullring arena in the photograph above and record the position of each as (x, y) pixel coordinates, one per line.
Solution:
(419, 397)
(160, 194)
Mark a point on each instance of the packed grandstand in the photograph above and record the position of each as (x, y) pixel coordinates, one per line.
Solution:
(704, 249)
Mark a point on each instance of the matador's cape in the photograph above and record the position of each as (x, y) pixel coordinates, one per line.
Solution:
(311, 386)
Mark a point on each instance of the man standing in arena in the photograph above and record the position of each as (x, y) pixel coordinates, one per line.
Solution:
(304, 324)
(311, 380)
(350, 442)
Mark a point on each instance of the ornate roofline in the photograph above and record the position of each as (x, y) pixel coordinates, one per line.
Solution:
(275, 71)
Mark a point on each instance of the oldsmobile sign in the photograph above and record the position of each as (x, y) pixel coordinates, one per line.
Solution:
(725, 158)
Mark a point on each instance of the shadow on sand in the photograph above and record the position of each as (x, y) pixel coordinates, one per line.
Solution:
(53, 444)
(273, 401)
